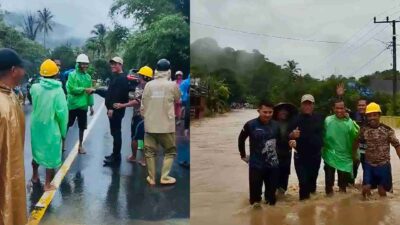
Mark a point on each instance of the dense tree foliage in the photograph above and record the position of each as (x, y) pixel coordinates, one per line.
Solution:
(250, 77)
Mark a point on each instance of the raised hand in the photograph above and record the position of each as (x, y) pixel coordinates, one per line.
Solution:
(340, 89)
(296, 133)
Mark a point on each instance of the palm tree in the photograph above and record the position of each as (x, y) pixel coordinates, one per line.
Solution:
(115, 38)
(31, 26)
(92, 47)
(100, 33)
(291, 66)
(45, 23)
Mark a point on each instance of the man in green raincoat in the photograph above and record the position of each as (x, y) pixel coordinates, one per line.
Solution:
(48, 122)
(338, 151)
(79, 89)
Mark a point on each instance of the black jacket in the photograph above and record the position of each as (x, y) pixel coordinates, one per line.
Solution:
(310, 142)
(118, 91)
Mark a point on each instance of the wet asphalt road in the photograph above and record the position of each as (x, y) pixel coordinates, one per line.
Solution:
(93, 194)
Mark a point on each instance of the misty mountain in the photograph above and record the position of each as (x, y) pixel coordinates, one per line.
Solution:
(206, 53)
(57, 37)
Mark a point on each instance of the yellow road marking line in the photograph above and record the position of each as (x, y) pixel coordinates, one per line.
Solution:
(41, 206)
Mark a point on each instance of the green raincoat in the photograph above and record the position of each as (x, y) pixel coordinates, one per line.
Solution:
(339, 137)
(76, 85)
(48, 122)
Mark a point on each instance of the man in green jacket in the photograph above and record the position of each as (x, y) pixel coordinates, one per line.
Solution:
(79, 90)
(339, 147)
(48, 122)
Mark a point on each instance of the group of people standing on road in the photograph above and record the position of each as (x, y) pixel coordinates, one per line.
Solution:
(342, 140)
(56, 107)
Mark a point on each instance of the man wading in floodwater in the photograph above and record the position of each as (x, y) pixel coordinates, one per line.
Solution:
(339, 152)
(307, 131)
(263, 160)
(377, 137)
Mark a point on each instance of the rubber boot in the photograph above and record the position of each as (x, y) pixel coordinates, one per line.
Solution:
(167, 165)
(151, 169)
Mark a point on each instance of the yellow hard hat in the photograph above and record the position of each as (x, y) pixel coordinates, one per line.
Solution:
(48, 68)
(373, 107)
(146, 71)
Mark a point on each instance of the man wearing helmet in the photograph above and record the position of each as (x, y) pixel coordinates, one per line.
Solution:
(378, 137)
(157, 108)
(48, 120)
(79, 90)
(145, 74)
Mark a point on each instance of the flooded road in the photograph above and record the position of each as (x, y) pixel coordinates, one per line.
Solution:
(91, 194)
(219, 186)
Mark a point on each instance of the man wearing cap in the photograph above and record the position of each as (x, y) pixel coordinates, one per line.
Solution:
(12, 135)
(339, 150)
(118, 92)
(307, 130)
(157, 108)
(80, 98)
(378, 137)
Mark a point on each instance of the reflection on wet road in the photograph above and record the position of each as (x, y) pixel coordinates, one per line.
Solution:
(93, 194)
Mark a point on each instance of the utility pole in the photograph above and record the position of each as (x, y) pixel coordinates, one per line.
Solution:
(393, 22)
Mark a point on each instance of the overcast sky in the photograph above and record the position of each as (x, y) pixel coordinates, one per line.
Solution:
(347, 21)
(79, 15)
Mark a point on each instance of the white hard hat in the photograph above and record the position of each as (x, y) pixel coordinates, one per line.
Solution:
(82, 58)
(117, 60)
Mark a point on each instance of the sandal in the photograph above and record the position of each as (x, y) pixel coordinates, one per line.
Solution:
(81, 150)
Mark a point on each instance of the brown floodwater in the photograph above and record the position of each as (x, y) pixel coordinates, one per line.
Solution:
(219, 186)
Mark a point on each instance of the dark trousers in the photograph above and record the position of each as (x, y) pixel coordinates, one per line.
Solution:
(115, 128)
(284, 171)
(355, 168)
(307, 173)
(343, 178)
(258, 177)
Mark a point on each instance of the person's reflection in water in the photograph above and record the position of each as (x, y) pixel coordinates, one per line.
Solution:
(112, 202)
(79, 183)
(149, 203)
(307, 215)
(267, 216)
(135, 196)
(65, 188)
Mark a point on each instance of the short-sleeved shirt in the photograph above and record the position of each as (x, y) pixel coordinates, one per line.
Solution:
(137, 95)
(378, 142)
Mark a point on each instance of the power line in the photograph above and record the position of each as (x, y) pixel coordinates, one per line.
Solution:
(368, 31)
(346, 52)
(364, 34)
(393, 23)
(265, 35)
(369, 61)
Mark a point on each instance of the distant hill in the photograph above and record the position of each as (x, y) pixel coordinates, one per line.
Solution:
(58, 37)
(206, 53)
